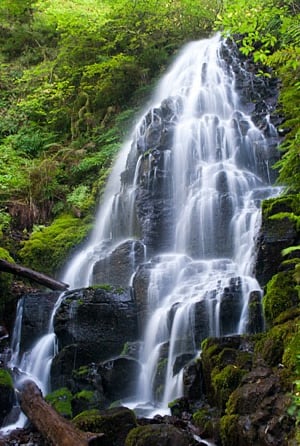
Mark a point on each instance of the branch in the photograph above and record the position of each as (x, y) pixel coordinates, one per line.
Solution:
(40, 278)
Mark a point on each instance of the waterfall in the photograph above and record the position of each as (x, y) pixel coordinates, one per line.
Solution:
(188, 185)
(201, 160)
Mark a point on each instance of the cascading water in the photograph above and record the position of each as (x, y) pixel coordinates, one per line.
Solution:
(190, 190)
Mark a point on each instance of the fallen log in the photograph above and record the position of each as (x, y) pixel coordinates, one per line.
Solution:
(42, 279)
(54, 428)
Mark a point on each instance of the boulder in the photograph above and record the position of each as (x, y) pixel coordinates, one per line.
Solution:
(115, 423)
(160, 435)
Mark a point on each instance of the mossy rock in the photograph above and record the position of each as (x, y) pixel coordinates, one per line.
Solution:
(228, 430)
(207, 422)
(221, 354)
(281, 204)
(281, 295)
(60, 400)
(85, 400)
(178, 406)
(160, 435)
(116, 423)
(224, 382)
(280, 344)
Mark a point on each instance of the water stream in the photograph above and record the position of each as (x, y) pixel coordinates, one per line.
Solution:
(212, 175)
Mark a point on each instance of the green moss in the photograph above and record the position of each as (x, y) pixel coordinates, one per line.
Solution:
(85, 394)
(60, 400)
(280, 344)
(228, 430)
(281, 295)
(6, 379)
(115, 423)
(282, 204)
(102, 286)
(89, 420)
(207, 421)
(82, 372)
(49, 247)
(224, 382)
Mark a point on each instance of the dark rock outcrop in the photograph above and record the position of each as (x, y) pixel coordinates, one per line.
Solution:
(119, 377)
(119, 265)
(37, 308)
(92, 325)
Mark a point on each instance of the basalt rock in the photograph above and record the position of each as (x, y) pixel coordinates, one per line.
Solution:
(37, 309)
(119, 265)
(119, 377)
(91, 325)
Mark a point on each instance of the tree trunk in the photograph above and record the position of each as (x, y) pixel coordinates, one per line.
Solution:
(53, 427)
(40, 278)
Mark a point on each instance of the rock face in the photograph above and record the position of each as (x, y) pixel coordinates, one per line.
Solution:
(118, 266)
(37, 308)
(92, 325)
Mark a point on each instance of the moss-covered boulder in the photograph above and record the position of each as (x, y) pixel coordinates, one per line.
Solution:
(224, 382)
(279, 230)
(116, 423)
(207, 420)
(281, 295)
(159, 435)
(224, 361)
(7, 394)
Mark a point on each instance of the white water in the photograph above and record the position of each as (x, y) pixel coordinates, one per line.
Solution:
(218, 182)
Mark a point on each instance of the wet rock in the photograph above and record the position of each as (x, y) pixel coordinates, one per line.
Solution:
(192, 380)
(119, 377)
(119, 265)
(37, 309)
(115, 423)
(91, 325)
(159, 434)
(230, 307)
(255, 322)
